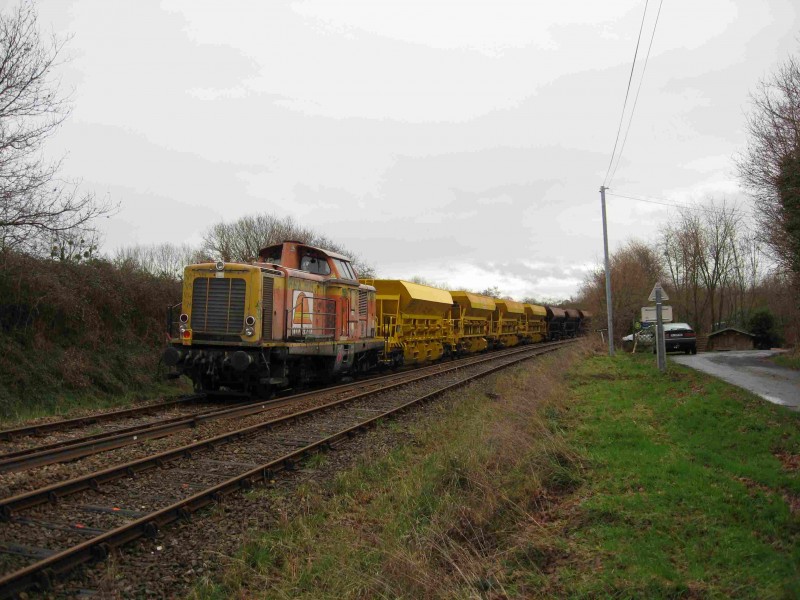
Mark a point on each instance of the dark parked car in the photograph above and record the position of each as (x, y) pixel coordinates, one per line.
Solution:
(679, 336)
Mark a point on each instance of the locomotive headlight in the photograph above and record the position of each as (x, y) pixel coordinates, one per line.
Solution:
(184, 318)
(250, 321)
(249, 331)
(220, 266)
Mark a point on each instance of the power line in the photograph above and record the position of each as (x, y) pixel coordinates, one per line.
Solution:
(650, 201)
(636, 98)
(627, 92)
(663, 202)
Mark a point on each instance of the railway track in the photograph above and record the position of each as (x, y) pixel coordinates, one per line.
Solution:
(37, 429)
(47, 532)
(73, 448)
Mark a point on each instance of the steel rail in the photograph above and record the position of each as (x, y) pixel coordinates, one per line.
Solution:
(43, 572)
(74, 449)
(63, 424)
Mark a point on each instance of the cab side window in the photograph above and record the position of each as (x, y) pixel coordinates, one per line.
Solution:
(315, 264)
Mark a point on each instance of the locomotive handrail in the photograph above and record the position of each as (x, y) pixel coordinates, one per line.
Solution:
(311, 330)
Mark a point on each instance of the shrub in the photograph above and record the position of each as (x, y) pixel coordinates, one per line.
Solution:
(67, 326)
(762, 326)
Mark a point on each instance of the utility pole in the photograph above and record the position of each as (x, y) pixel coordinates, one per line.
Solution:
(608, 274)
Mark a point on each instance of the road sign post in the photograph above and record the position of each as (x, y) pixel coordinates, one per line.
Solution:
(661, 347)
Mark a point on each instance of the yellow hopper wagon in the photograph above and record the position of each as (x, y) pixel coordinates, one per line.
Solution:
(508, 323)
(413, 321)
(471, 316)
(535, 323)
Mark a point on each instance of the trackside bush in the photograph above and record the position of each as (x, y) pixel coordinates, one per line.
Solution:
(69, 327)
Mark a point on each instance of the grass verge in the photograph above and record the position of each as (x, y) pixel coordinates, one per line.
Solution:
(789, 359)
(620, 483)
(71, 403)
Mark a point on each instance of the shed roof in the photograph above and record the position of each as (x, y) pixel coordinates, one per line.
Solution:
(713, 333)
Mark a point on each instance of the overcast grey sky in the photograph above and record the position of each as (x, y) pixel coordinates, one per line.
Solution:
(461, 141)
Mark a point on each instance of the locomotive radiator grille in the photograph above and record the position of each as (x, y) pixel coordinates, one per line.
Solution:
(218, 304)
(362, 303)
(266, 308)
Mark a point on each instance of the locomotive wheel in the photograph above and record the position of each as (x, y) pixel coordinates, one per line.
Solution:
(264, 391)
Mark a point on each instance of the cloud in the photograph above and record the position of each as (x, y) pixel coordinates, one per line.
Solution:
(463, 141)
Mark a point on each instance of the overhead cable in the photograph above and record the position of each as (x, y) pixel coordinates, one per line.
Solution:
(636, 98)
(627, 92)
(663, 202)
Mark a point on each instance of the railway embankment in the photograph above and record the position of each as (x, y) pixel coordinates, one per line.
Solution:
(78, 334)
(576, 475)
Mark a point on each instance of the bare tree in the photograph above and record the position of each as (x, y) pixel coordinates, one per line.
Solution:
(161, 260)
(747, 273)
(770, 166)
(716, 256)
(242, 239)
(634, 269)
(714, 265)
(681, 244)
(35, 205)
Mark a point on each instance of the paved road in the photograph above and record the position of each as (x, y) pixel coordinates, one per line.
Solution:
(751, 370)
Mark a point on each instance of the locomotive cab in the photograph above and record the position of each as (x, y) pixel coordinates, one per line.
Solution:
(294, 255)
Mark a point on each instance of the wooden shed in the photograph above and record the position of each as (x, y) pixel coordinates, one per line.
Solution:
(731, 338)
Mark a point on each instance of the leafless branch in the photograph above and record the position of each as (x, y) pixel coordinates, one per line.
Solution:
(35, 204)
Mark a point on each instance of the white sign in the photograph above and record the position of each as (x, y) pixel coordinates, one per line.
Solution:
(649, 314)
(302, 312)
(652, 296)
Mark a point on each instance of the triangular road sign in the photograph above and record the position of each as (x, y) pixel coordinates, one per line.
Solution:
(652, 296)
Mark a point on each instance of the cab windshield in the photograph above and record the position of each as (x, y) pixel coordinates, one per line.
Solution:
(344, 269)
